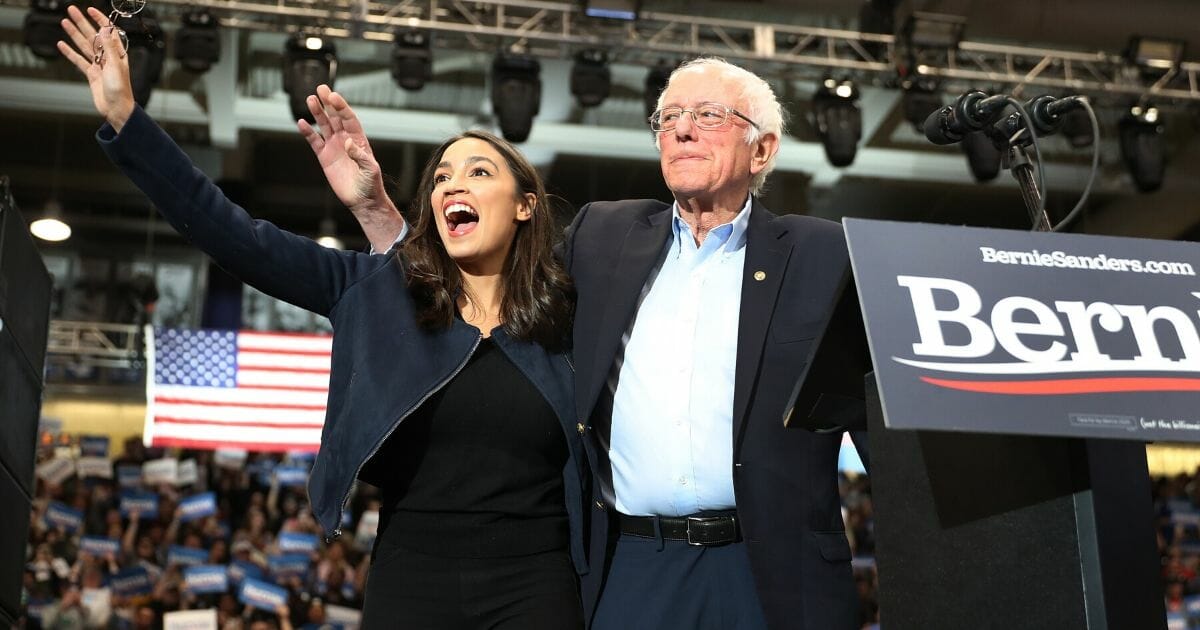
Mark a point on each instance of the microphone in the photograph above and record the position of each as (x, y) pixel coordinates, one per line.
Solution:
(1047, 112)
(970, 112)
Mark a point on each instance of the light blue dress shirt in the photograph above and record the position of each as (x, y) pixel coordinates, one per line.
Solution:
(671, 443)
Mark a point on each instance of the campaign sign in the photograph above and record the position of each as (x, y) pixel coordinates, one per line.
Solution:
(296, 541)
(288, 564)
(187, 473)
(197, 506)
(291, 475)
(165, 470)
(205, 578)
(129, 475)
(1000, 331)
(144, 503)
(347, 618)
(99, 546)
(240, 570)
(98, 467)
(205, 619)
(262, 594)
(63, 516)
(232, 458)
(186, 556)
(131, 581)
(93, 446)
(56, 470)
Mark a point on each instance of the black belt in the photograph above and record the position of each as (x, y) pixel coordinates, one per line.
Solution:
(719, 529)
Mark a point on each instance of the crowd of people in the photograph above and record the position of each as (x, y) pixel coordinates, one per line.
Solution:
(1177, 506)
(73, 581)
(69, 586)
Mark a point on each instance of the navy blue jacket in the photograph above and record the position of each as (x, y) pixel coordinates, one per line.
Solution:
(785, 480)
(384, 365)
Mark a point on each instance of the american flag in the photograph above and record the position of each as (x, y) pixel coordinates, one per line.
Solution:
(236, 389)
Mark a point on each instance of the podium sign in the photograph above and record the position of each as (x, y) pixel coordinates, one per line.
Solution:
(1000, 331)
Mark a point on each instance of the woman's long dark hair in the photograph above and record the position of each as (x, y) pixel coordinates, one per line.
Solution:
(538, 299)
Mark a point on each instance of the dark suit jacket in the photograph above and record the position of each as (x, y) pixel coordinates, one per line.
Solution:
(785, 480)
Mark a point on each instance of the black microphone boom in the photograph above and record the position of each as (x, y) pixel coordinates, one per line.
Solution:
(1047, 112)
(970, 112)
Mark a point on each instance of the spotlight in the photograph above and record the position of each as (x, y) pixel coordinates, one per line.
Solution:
(591, 80)
(412, 58)
(615, 9)
(50, 226)
(43, 27)
(1155, 56)
(1077, 128)
(656, 82)
(982, 156)
(147, 51)
(197, 43)
(308, 61)
(920, 99)
(838, 120)
(1143, 147)
(327, 234)
(933, 31)
(516, 94)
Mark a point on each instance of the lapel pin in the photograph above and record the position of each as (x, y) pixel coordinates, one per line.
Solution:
(760, 275)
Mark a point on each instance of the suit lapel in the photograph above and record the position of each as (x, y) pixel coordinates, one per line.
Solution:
(639, 252)
(766, 259)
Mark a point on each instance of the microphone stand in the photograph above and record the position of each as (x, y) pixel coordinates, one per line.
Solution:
(1016, 160)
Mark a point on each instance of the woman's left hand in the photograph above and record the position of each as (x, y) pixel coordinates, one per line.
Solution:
(108, 72)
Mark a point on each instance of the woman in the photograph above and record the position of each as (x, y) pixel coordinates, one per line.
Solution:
(449, 384)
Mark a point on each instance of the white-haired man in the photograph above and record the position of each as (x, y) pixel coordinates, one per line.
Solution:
(693, 323)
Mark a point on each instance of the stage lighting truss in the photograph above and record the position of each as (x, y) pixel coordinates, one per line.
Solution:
(557, 29)
(197, 42)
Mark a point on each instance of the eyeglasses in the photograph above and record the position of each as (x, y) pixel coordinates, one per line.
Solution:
(705, 115)
(120, 9)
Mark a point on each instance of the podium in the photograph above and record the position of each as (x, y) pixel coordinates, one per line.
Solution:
(24, 323)
(1016, 377)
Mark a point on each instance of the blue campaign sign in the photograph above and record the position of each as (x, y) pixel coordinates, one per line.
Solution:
(296, 541)
(99, 546)
(240, 570)
(129, 475)
(144, 503)
(1030, 333)
(131, 581)
(93, 446)
(186, 556)
(289, 564)
(198, 506)
(205, 578)
(262, 595)
(64, 516)
(291, 475)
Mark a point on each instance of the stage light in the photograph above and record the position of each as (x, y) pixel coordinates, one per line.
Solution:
(147, 52)
(1143, 147)
(591, 80)
(50, 226)
(43, 27)
(614, 9)
(412, 58)
(308, 61)
(920, 99)
(327, 234)
(1155, 56)
(982, 156)
(838, 120)
(1076, 127)
(933, 31)
(197, 42)
(656, 82)
(516, 94)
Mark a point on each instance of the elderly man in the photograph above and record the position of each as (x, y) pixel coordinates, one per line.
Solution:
(694, 322)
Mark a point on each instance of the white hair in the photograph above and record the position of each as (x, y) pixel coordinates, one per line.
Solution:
(761, 105)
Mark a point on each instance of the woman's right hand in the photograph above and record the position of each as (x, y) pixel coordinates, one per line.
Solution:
(108, 78)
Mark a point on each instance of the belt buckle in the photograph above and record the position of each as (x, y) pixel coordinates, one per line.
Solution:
(699, 519)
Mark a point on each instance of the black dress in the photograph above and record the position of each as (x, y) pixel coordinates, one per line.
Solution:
(473, 528)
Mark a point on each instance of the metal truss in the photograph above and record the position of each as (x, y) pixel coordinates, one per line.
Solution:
(94, 344)
(555, 29)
